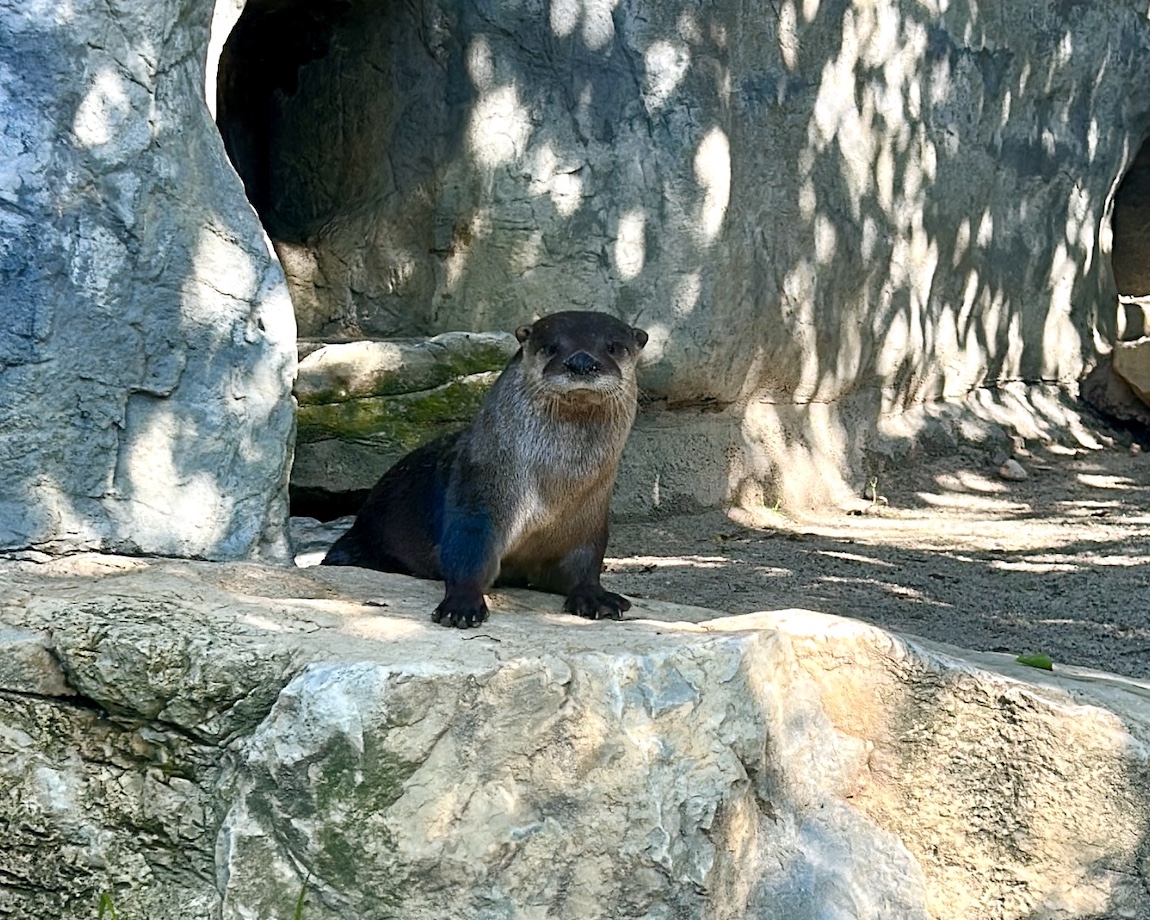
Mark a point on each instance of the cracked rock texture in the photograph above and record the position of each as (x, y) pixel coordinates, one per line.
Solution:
(825, 214)
(798, 200)
(206, 740)
(146, 335)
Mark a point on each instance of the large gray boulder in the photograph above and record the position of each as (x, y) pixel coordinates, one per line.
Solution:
(147, 342)
(202, 740)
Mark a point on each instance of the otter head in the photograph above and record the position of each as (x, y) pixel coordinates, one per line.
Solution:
(581, 357)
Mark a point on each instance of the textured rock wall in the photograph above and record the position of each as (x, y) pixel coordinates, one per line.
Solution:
(146, 336)
(824, 212)
(209, 741)
(800, 199)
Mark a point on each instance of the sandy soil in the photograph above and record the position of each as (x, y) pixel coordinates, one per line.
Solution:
(1057, 564)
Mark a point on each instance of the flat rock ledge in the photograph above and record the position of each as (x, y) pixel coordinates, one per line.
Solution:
(222, 740)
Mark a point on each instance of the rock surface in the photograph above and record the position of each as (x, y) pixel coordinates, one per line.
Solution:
(801, 201)
(146, 335)
(364, 404)
(204, 740)
(825, 214)
(1131, 362)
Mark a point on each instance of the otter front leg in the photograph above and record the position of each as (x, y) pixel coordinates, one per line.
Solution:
(587, 597)
(469, 562)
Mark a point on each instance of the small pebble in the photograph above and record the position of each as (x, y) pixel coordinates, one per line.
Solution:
(1135, 448)
(1012, 471)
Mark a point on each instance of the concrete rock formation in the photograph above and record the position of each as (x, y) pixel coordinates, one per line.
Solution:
(1131, 364)
(210, 740)
(824, 213)
(147, 342)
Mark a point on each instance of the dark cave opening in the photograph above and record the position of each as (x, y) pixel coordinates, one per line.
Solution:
(258, 76)
(339, 118)
(259, 70)
(1130, 252)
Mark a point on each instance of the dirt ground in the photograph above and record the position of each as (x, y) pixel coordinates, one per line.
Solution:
(1057, 564)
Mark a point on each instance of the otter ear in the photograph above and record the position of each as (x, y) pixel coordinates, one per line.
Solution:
(640, 337)
(522, 332)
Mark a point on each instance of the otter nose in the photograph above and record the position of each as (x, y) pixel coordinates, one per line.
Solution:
(582, 364)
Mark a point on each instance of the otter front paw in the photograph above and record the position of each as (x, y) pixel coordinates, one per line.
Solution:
(596, 603)
(460, 610)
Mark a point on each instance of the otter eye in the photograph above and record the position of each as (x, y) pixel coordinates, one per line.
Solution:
(550, 350)
(615, 348)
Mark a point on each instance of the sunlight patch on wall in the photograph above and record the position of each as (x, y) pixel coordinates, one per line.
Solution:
(111, 119)
(1061, 346)
(963, 362)
(98, 260)
(825, 240)
(1015, 346)
(480, 63)
(467, 230)
(527, 253)
(713, 172)
(220, 273)
(567, 193)
(788, 35)
(564, 16)
(961, 243)
(664, 66)
(687, 293)
(598, 26)
(562, 183)
(799, 290)
(800, 450)
(658, 340)
(500, 124)
(631, 244)
(160, 492)
(500, 127)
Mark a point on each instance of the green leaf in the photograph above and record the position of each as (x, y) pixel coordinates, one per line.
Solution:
(107, 906)
(1040, 660)
(302, 897)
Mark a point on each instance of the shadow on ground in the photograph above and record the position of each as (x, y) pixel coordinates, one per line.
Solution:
(1056, 564)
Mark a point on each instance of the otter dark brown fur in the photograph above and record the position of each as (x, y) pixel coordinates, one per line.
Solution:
(520, 496)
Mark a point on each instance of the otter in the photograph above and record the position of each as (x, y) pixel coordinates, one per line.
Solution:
(520, 496)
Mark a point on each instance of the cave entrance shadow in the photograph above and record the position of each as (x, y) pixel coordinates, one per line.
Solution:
(258, 68)
(1130, 253)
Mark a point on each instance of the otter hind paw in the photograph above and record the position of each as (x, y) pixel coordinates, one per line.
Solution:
(595, 603)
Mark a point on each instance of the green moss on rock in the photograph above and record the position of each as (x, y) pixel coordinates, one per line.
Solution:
(406, 420)
(357, 370)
